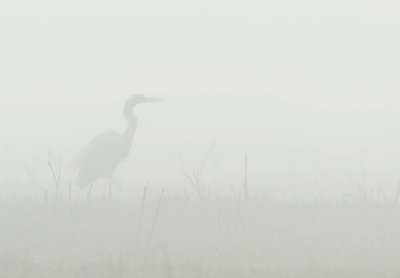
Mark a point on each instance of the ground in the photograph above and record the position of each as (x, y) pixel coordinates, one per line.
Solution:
(199, 238)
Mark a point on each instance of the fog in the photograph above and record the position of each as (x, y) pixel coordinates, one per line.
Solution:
(306, 90)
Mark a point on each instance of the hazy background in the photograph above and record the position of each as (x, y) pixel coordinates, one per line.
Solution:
(309, 89)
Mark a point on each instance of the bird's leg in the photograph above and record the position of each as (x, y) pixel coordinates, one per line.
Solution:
(110, 187)
(89, 191)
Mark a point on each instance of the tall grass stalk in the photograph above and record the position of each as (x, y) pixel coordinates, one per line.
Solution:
(139, 226)
(155, 219)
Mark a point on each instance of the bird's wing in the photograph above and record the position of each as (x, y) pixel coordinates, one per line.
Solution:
(99, 158)
(105, 146)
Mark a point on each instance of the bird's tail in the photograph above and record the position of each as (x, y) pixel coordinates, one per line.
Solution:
(82, 181)
(72, 167)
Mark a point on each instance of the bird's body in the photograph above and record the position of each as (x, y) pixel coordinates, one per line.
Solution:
(100, 158)
(102, 155)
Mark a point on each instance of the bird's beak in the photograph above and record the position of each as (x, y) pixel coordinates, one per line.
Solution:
(149, 99)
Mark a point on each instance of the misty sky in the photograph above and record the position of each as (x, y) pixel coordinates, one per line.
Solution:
(309, 89)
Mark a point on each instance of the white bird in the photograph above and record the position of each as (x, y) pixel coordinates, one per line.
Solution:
(102, 155)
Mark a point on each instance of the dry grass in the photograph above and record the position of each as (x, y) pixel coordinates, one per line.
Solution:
(208, 238)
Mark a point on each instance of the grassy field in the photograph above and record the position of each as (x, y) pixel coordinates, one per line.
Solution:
(208, 238)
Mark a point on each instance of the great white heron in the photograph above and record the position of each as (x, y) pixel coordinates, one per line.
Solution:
(100, 157)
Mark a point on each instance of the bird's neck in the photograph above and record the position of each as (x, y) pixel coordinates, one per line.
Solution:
(129, 133)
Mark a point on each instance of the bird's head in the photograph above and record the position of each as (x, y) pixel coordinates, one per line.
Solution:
(139, 99)
(134, 100)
